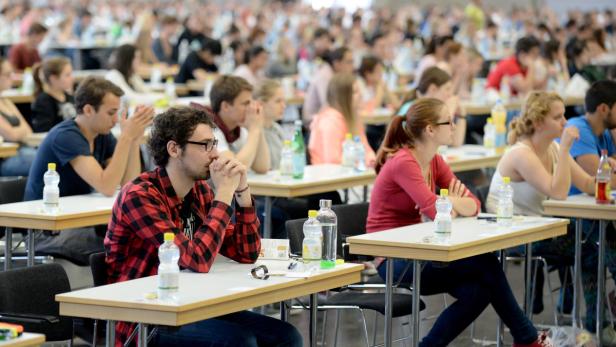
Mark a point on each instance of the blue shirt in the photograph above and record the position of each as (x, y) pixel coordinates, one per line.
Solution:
(589, 143)
(63, 143)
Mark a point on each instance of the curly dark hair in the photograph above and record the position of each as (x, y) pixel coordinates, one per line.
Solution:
(176, 124)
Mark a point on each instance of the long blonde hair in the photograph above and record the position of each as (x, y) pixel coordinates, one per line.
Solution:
(340, 97)
(535, 110)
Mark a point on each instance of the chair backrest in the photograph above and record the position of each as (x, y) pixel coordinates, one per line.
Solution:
(99, 268)
(296, 234)
(351, 221)
(12, 189)
(33, 290)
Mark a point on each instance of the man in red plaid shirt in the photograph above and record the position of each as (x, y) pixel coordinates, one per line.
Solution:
(175, 197)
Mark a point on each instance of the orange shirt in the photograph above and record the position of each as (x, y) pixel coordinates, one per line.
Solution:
(327, 133)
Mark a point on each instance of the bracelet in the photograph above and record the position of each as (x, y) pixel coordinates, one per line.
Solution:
(242, 190)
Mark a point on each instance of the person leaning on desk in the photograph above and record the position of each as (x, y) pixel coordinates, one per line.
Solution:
(175, 197)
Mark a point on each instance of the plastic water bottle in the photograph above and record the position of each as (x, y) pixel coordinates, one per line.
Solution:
(442, 220)
(27, 86)
(348, 151)
(329, 228)
(51, 191)
(299, 151)
(312, 246)
(499, 119)
(505, 89)
(603, 178)
(170, 89)
(168, 270)
(504, 208)
(286, 159)
(489, 133)
(156, 75)
(360, 155)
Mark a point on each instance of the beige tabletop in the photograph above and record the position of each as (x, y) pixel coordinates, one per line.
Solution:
(469, 237)
(579, 206)
(470, 157)
(75, 211)
(25, 340)
(317, 179)
(35, 139)
(198, 86)
(483, 108)
(8, 149)
(17, 96)
(379, 116)
(228, 288)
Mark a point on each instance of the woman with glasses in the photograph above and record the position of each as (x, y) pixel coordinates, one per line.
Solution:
(409, 171)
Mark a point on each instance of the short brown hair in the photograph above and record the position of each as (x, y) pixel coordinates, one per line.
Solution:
(37, 28)
(92, 90)
(227, 88)
(176, 124)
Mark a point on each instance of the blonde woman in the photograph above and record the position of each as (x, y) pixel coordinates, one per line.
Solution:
(13, 128)
(271, 96)
(542, 169)
(330, 126)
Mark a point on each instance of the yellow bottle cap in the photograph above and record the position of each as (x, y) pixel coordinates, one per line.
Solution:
(169, 236)
(287, 142)
(169, 79)
(339, 261)
(51, 166)
(348, 136)
(444, 192)
(312, 213)
(489, 120)
(506, 180)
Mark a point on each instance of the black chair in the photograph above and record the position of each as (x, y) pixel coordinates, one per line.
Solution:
(27, 297)
(346, 298)
(12, 189)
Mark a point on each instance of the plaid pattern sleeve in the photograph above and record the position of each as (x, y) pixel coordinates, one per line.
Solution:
(242, 240)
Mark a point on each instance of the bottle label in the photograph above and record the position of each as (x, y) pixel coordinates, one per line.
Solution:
(311, 250)
(169, 281)
(51, 197)
(602, 192)
(443, 226)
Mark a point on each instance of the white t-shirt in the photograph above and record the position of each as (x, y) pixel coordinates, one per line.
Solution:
(234, 147)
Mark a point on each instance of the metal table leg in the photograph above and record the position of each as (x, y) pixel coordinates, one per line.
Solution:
(365, 199)
(110, 334)
(577, 273)
(30, 248)
(8, 248)
(601, 281)
(389, 281)
(283, 311)
(267, 228)
(416, 302)
(528, 284)
(313, 320)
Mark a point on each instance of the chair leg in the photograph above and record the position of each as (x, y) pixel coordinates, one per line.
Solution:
(363, 319)
(324, 327)
(376, 317)
(336, 328)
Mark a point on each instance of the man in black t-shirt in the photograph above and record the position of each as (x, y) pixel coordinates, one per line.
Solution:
(201, 62)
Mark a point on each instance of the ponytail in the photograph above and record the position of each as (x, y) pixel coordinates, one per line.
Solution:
(405, 131)
(38, 79)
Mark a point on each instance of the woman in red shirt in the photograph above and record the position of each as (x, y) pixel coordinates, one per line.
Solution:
(409, 172)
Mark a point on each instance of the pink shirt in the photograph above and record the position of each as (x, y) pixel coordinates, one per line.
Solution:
(401, 195)
(327, 133)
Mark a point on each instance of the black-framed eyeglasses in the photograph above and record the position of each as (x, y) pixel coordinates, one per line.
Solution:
(208, 145)
(444, 123)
